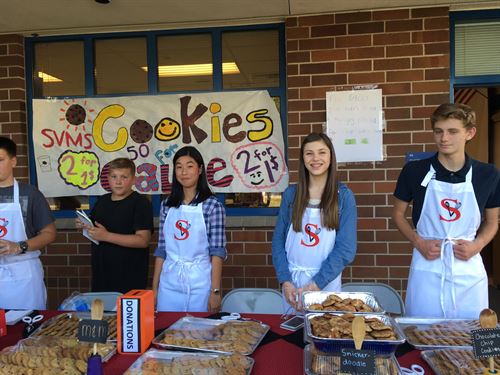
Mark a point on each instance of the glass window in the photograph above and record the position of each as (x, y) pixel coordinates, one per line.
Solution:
(121, 66)
(250, 59)
(185, 62)
(59, 69)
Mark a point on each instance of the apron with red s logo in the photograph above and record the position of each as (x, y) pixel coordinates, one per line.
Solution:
(447, 287)
(306, 251)
(185, 280)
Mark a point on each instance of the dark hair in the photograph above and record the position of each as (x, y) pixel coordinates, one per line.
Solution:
(9, 146)
(329, 204)
(177, 196)
(456, 111)
(122, 163)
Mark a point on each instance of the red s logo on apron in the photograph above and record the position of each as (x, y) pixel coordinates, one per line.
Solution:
(312, 236)
(3, 227)
(453, 212)
(183, 226)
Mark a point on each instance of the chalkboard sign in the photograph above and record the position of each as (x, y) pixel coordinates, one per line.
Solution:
(486, 342)
(359, 362)
(354, 123)
(93, 331)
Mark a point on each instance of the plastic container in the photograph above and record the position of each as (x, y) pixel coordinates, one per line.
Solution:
(83, 301)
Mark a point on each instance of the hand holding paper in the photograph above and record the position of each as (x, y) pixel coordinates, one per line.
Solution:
(86, 225)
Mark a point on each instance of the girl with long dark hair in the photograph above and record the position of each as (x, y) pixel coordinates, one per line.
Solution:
(315, 234)
(192, 240)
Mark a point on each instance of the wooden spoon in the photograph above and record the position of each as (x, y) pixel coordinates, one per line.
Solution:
(96, 313)
(488, 319)
(358, 331)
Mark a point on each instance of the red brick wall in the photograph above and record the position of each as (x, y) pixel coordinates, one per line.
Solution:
(405, 52)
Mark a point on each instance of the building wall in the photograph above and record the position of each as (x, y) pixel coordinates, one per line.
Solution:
(405, 52)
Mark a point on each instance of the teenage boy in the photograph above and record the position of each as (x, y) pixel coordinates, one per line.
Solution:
(26, 225)
(123, 223)
(455, 211)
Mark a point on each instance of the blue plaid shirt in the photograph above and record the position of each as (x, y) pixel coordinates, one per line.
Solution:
(214, 216)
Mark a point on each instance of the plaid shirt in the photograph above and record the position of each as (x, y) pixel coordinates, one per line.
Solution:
(214, 216)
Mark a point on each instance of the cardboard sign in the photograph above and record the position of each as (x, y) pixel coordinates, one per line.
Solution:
(359, 362)
(93, 331)
(486, 342)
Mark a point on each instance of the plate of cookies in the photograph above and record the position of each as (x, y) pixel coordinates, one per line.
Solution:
(155, 362)
(212, 335)
(320, 363)
(433, 333)
(331, 332)
(452, 361)
(354, 302)
(66, 325)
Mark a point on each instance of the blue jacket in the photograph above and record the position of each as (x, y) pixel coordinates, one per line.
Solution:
(343, 250)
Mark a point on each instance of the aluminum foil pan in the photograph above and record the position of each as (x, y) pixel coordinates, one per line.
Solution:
(317, 298)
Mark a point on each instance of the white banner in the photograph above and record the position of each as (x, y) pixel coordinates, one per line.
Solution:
(239, 135)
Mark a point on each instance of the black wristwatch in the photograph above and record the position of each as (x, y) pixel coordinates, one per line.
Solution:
(23, 245)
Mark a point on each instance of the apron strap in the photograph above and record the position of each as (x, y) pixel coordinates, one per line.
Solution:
(428, 177)
(15, 193)
(447, 265)
(296, 270)
(184, 267)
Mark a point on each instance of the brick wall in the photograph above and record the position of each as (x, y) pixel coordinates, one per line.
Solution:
(405, 52)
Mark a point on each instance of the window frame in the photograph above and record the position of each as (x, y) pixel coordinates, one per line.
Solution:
(151, 57)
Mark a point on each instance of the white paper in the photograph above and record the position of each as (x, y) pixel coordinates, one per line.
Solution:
(82, 216)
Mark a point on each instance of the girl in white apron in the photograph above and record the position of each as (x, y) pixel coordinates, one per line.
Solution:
(311, 231)
(447, 287)
(21, 276)
(188, 277)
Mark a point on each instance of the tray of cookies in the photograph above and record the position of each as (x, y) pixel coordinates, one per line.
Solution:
(452, 361)
(355, 302)
(320, 363)
(331, 332)
(212, 335)
(434, 333)
(66, 325)
(171, 362)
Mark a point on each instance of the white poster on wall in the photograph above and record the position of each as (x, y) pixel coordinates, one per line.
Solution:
(354, 122)
(239, 135)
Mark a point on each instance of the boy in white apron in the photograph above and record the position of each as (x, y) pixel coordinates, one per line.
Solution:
(455, 210)
(26, 225)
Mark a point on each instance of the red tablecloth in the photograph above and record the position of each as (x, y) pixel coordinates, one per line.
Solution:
(278, 354)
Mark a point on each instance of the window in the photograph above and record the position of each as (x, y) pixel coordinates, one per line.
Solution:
(154, 63)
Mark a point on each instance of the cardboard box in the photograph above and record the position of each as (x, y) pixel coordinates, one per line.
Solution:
(135, 321)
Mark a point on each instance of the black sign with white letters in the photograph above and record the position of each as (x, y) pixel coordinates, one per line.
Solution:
(358, 362)
(93, 331)
(486, 342)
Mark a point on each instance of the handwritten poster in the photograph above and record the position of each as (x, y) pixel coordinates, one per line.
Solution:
(239, 135)
(354, 123)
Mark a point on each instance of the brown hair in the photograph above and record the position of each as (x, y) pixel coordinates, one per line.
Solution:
(329, 204)
(122, 163)
(456, 111)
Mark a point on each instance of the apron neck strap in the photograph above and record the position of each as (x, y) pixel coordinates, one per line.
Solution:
(15, 193)
(428, 177)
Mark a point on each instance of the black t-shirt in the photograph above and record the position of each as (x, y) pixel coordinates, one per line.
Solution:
(117, 268)
(485, 181)
(36, 211)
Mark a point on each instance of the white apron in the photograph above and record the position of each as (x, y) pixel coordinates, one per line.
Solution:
(185, 280)
(21, 276)
(306, 251)
(447, 287)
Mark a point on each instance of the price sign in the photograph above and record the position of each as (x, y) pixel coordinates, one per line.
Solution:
(79, 169)
(359, 362)
(93, 331)
(486, 342)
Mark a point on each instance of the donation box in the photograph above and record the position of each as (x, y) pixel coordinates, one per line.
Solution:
(135, 321)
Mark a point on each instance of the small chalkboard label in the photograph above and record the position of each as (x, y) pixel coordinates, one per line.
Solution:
(486, 342)
(93, 331)
(359, 362)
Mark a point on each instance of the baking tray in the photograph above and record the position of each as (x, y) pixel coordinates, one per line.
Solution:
(207, 332)
(63, 346)
(309, 298)
(443, 331)
(381, 347)
(154, 360)
(66, 325)
(452, 361)
(331, 363)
